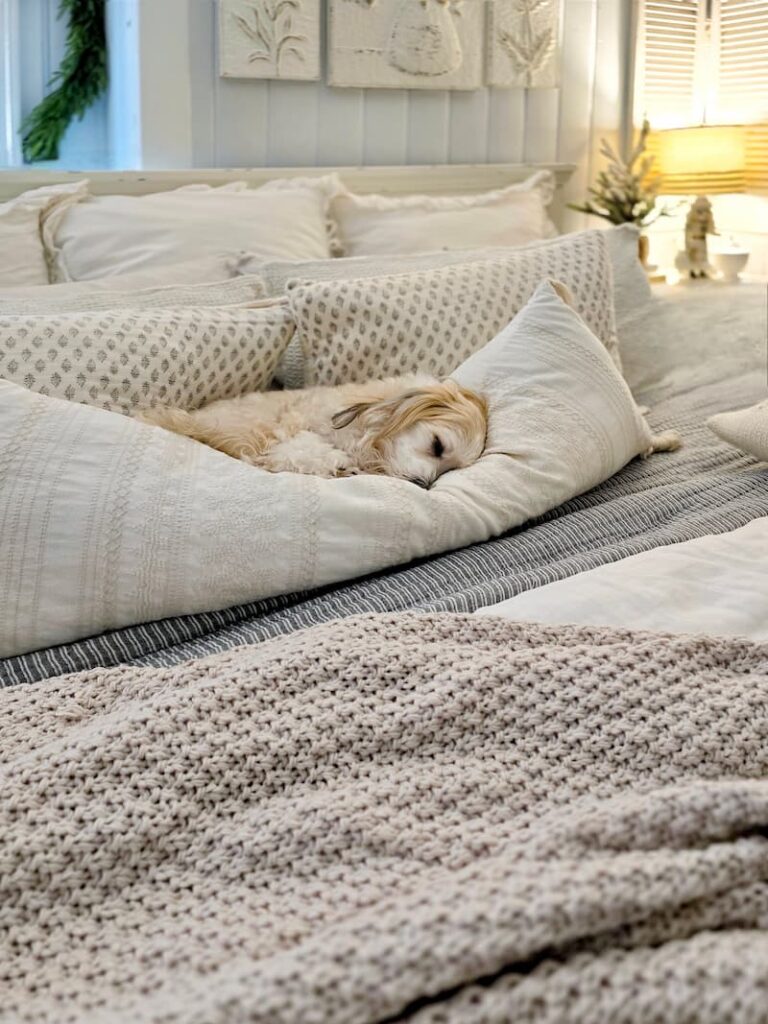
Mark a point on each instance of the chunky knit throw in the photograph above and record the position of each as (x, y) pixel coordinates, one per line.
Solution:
(425, 818)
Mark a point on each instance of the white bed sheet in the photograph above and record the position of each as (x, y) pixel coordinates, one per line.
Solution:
(716, 584)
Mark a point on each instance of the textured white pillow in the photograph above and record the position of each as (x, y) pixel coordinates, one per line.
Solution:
(370, 225)
(631, 290)
(431, 320)
(106, 235)
(22, 255)
(746, 429)
(76, 296)
(129, 359)
(23, 298)
(105, 521)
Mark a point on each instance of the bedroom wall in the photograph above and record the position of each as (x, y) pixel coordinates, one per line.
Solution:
(189, 116)
(167, 106)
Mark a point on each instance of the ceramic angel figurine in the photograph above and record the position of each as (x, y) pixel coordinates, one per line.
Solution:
(698, 224)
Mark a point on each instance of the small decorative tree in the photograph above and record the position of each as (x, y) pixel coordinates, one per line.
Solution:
(626, 192)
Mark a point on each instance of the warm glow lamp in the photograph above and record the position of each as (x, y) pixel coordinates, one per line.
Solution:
(702, 160)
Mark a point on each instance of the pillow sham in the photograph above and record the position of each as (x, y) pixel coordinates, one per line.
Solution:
(746, 429)
(22, 254)
(124, 360)
(105, 521)
(631, 290)
(116, 234)
(78, 296)
(370, 225)
(430, 321)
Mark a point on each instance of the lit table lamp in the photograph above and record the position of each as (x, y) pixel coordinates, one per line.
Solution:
(701, 161)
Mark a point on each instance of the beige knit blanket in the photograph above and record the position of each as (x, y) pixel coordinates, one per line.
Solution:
(425, 818)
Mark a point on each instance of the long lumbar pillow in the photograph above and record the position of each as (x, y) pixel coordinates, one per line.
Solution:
(746, 429)
(204, 282)
(563, 258)
(431, 320)
(128, 359)
(105, 521)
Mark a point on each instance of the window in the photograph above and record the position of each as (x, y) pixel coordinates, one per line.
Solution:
(702, 61)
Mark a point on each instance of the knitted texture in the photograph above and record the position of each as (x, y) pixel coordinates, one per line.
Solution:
(434, 818)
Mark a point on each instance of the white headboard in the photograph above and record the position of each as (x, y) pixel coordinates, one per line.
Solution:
(444, 179)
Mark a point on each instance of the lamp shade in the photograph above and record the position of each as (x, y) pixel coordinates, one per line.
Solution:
(706, 159)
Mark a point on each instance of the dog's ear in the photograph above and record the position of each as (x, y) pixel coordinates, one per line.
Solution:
(346, 416)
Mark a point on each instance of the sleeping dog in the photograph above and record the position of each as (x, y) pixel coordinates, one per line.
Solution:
(413, 427)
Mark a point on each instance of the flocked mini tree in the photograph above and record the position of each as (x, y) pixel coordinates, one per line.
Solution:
(627, 191)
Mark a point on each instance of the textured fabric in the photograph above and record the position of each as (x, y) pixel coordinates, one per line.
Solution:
(105, 521)
(707, 487)
(377, 225)
(433, 819)
(746, 429)
(202, 282)
(631, 290)
(430, 321)
(127, 359)
(22, 255)
(120, 234)
(691, 334)
(714, 585)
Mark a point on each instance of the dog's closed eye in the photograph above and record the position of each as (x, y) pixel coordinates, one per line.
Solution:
(438, 449)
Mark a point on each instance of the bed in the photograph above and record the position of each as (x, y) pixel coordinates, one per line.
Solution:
(408, 797)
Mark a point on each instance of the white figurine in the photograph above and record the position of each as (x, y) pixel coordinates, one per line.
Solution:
(698, 224)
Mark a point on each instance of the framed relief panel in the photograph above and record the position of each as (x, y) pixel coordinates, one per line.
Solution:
(406, 44)
(523, 43)
(269, 39)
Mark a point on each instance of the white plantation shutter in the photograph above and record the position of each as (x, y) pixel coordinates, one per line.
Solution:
(668, 86)
(702, 61)
(742, 79)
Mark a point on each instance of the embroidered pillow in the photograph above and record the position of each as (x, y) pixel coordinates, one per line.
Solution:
(122, 360)
(431, 320)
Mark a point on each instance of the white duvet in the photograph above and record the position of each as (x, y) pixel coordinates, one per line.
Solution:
(715, 584)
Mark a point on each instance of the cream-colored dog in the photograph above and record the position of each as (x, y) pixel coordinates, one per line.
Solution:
(413, 427)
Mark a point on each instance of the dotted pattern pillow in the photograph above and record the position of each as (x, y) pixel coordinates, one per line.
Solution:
(431, 321)
(123, 360)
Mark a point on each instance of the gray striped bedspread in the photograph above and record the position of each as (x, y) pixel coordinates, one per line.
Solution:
(707, 487)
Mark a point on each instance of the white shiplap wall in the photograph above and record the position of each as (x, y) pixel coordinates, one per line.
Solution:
(168, 100)
(242, 122)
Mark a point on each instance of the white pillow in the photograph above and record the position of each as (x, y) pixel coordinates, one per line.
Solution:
(129, 359)
(105, 521)
(119, 234)
(116, 293)
(374, 225)
(746, 429)
(22, 255)
(631, 290)
(430, 321)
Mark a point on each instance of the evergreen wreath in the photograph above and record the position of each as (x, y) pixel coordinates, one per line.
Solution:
(80, 80)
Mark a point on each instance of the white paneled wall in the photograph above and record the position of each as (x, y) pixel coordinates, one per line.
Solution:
(168, 105)
(241, 122)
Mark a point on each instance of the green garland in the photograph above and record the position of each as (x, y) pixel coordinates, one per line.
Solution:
(80, 80)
